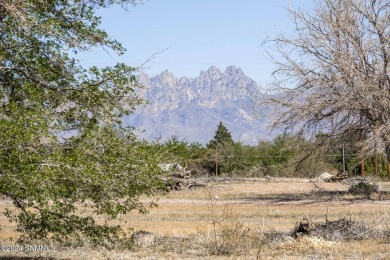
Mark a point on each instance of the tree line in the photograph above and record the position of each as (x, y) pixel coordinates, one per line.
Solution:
(287, 155)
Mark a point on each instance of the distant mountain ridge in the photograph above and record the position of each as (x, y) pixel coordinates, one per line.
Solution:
(191, 108)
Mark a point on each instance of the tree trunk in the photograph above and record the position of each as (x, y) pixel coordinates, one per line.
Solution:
(387, 150)
(216, 159)
(388, 168)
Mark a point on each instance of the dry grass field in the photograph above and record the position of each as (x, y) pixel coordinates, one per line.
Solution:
(249, 219)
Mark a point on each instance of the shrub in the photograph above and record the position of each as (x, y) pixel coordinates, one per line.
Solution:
(363, 188)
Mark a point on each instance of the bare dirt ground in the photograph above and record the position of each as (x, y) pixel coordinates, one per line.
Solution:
(255, 217)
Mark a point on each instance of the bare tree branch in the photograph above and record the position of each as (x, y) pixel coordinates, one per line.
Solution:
(333, 76)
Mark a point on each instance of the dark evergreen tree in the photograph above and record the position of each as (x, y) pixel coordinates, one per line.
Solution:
(222, 137)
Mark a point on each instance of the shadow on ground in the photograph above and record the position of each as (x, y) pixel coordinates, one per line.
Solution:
(320, 196)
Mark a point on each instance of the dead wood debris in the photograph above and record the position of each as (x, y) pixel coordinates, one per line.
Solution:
(343, 229)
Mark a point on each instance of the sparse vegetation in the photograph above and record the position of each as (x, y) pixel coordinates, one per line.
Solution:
(284, 156)
(364, 187)
(250, 220)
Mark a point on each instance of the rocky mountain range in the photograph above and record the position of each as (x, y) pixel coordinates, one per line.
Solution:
(191, 108)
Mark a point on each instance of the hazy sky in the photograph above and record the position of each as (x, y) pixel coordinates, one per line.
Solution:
(196, 34)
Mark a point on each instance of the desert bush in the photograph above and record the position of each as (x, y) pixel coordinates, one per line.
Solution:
(143, 238)
(363, 188)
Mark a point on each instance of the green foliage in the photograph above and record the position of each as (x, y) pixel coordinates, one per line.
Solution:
(363, 188)
(59, 151)
(276, 152)
(237, 159)
(291, 156)
(381, 165)
(286, 155)
(184, 151)
(352, 155)
(222, 137)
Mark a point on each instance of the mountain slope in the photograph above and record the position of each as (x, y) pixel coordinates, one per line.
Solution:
(191, 108)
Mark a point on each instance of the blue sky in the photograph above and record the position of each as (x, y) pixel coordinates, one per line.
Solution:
(196, 35)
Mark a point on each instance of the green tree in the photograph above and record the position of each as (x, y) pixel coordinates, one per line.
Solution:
(291, 155)
(222, 137)
(181, 150)
(223, 145)
(58, 147)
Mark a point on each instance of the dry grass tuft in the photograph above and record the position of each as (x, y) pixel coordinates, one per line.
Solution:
(306, 243)
(230, 238)
(247, 219)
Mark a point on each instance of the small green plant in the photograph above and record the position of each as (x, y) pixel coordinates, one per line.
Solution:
(363, 188)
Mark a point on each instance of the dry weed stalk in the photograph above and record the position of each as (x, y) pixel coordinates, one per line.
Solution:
(228, 235)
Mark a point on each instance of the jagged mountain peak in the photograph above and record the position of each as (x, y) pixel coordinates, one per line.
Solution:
(212, 71)
(165, 78)
(211, 75)
(234, 71)
(166, 73)
(191, 108)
